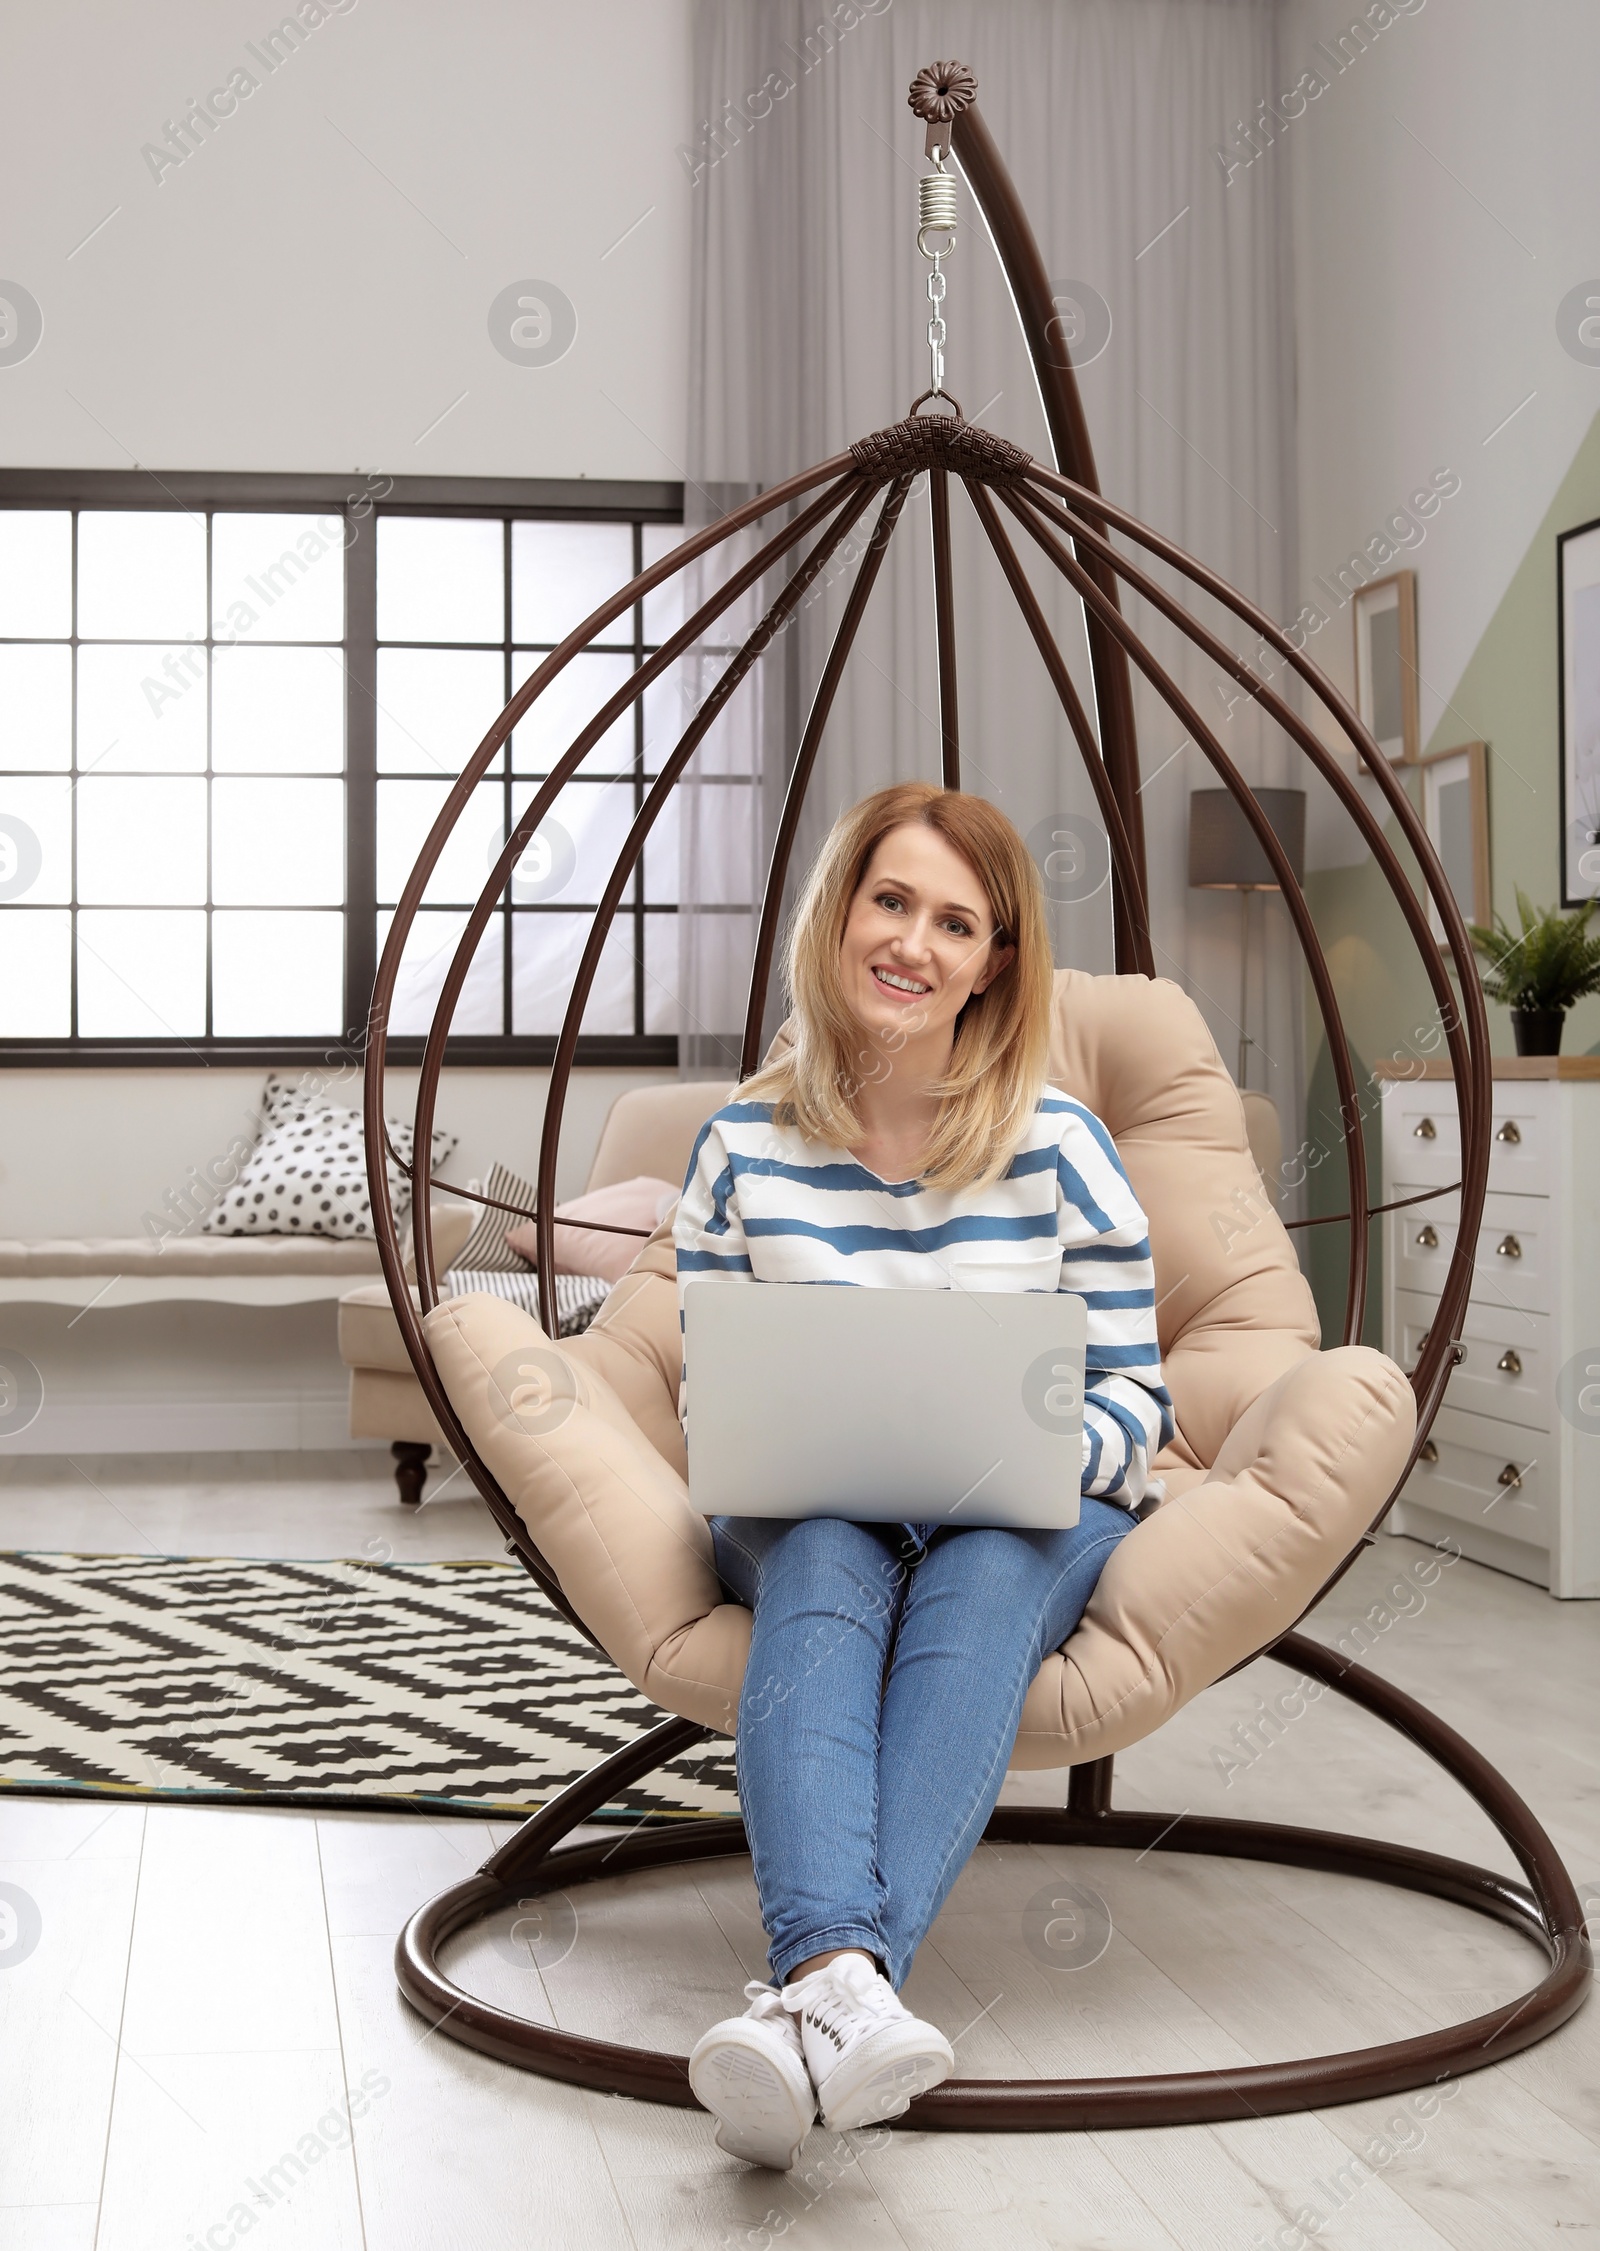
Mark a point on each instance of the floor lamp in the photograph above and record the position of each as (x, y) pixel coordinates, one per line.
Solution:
(1225, 855)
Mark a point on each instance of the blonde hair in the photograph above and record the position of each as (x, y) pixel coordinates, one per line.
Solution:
(999, 1056)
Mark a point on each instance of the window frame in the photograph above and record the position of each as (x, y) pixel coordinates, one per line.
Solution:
(361, 498)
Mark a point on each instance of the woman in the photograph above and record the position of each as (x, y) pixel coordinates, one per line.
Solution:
(905, 1138)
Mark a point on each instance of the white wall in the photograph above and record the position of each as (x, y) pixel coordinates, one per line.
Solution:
(310, 289)
(1444, 187)
(88, 1152)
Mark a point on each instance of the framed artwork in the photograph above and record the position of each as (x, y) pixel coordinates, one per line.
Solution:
(1455, 813)
(1385, 614)
(1578, 626)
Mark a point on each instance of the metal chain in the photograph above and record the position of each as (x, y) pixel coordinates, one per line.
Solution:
(936, 214)
(937, 331)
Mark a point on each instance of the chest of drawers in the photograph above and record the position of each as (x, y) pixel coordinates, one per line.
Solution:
(1511, 1472)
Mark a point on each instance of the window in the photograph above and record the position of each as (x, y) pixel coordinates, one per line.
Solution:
(466, 610)
(230, 710)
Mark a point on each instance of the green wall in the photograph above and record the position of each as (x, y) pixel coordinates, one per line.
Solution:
(1507, 697)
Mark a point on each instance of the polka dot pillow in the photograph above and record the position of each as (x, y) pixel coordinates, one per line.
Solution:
(307, 1175)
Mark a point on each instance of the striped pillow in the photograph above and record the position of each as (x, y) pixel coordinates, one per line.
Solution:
(579, 1297)
(486, 1250)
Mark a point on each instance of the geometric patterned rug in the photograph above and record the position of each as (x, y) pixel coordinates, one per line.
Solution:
(434, 1688)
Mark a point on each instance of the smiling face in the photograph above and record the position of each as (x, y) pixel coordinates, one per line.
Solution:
(917, 940)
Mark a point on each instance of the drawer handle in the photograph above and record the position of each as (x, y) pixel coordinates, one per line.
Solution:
(1429, 1452)
(1510, 1362)
(1508, 1247)
(1509, 1476)
(1427, 1239)
(1426, 1131)
(1510, 1131)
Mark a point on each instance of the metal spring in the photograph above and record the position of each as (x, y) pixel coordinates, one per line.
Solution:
(936, 210)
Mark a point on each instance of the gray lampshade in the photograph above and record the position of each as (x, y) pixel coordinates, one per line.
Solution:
(1223, 852)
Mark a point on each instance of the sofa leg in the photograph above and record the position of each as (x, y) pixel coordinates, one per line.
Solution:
(410, 1470)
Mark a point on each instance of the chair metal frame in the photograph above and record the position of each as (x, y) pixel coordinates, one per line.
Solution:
(1063, 512)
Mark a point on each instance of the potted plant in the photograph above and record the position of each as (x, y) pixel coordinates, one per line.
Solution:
(1539, 973)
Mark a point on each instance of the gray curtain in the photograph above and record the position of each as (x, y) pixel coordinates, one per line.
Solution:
(807, 330)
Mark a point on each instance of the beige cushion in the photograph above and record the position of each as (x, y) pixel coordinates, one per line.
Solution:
(222, 1254)
(612, 1515)
(1222, 1569)
(369, 1334)
(1264, 1128)
(635, 1344)
(189, 1254)
(387, 1406)
(1284, 1454)
(652, 1129)
(1233, 1309)
(452, 1225)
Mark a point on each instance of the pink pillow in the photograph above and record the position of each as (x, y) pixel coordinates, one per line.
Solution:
(641, 1203)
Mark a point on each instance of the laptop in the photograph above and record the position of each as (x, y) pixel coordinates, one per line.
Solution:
(885, 1406)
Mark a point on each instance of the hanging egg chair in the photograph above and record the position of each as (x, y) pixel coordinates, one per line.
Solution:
(1288, 1456)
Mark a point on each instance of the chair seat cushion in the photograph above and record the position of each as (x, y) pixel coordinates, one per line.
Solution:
(369, 1334)
(1215, 1573)
(188, 1254)
(1283, 1457)
(608, 1513)
(1225, 1566)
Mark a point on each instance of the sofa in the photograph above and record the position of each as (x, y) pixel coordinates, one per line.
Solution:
(648, 1129)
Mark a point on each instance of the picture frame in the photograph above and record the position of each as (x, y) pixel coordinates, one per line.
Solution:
(1455, 813)
(1578, 675)
(1384, 614)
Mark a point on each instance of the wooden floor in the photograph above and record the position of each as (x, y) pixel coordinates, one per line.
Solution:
(211, 1995)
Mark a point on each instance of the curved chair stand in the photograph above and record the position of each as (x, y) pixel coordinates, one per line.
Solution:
(1545, 1910)
(1062, 512)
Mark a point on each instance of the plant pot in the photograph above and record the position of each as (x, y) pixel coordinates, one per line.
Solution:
(1537, 1031)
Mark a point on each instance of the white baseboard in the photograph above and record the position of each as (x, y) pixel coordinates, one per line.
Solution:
(1411, 1521)
(187, 1426)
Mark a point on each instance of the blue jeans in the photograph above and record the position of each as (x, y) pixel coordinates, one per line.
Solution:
(879, 1708)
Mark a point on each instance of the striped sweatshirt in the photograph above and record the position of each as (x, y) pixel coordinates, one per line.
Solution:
(762, 1204)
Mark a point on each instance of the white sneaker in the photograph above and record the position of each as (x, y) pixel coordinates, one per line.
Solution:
(750, 2073)
(869, 2057)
